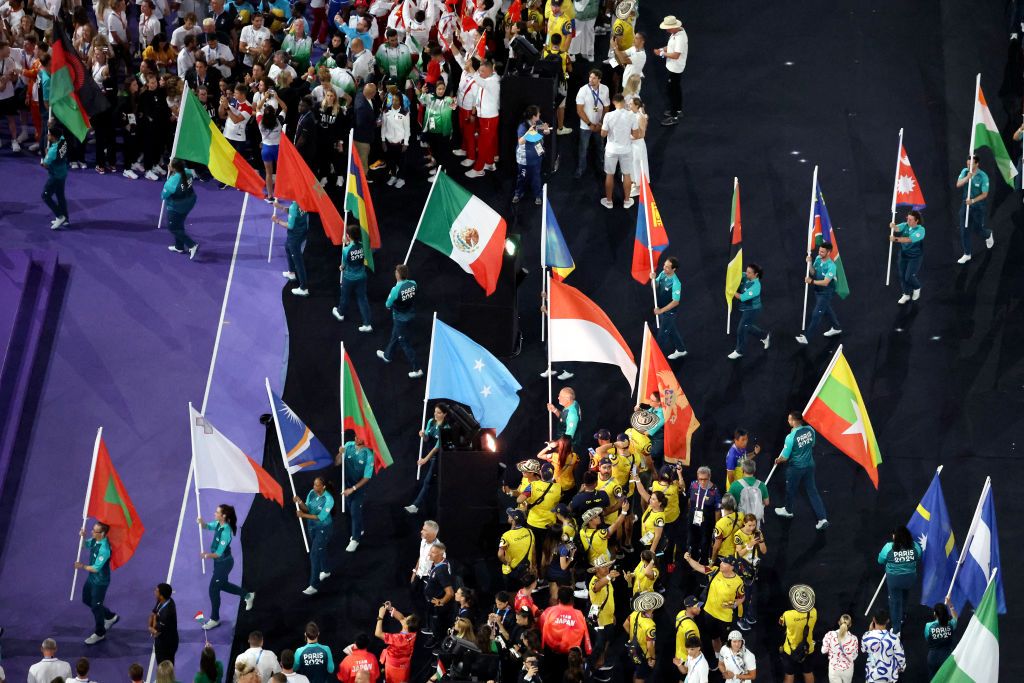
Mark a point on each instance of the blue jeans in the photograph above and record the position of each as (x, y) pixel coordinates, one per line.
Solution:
(426, 481)
(529, 174)
(400, 336)
(319, 537)
(797, 477)
(822, 307)
(748, 325)
(176, 224)
(669, 338)
(975, 225)
(219, 583)
(357, 289)
(293, 250)
(54, 187)
(585, 136)
(355, 511)
(92, 596)
(909, 267)
(899, 590)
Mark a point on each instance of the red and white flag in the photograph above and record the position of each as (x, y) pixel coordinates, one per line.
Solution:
(908, 190)
(581, 331)
(222, 465)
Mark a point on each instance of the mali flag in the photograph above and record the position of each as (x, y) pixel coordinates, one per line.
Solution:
(838, 412)
(822, 232)
(358, 416)
(359, 204)
(650, 231)
(109, 503)
(199, 140)
(296, 182)
(734, 271)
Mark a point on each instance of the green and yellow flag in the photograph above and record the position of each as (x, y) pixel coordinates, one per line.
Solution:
(734, 271)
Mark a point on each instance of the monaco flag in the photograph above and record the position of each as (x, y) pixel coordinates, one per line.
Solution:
(908, 190)
(680, 422)
(222, 465)
(581, 331)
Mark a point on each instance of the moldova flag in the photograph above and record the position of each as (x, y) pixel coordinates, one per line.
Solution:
(109, 503)
(734, 271)
(556, 252)
(359, 204)
(650, 232)
(822, 232)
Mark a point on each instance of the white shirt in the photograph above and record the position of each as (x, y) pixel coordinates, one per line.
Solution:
(424, 563)
(395, 127)
(637, 60)
(99, 72)
(47, 669)
(186, 60)
(594, 103)
(697, 668)
(296, 678)
(179, 34)
(620, 125)
(220, 52)
(148, 28)
(741, 663)
(117, 25)
(264, 661)
(272, 136)
(489, 95)
(275, 70)
(362, 66)
(51, 6)
(8, 67)
(236, 131)
(342, 81)
(252, 38)
(677, 42)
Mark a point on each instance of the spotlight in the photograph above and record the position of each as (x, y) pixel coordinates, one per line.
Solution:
(489, 443)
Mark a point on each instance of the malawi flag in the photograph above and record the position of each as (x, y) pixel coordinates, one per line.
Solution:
(838, 412)
(822, 232)
(296, 182)
(908, 190)
(734, 271)
(461, 226)
(986, 134)
(358, 416)
(109, 503)
(650, 230)
(74, 95)
(680, 422)
(199, 140)
(359, 204)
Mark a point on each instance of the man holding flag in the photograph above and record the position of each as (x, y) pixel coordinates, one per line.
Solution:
(668, 292)
(974, 182)
(95, 588)
(824, 281)
(909, 236)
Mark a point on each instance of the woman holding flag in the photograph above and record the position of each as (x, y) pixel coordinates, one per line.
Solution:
(223, 526)
(317, 510)
(180, 197)
(749, 297)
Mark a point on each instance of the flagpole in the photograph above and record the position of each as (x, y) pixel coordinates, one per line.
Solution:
(895, 184)
(769, 477)
(547, 310)
(650, 250)
(348, 172)
(341, 408)
(728, 307)
(810, 229)
(430, 367)
(195, 479)
(970, 151)
(543, 258)
(824, 376)
(433, 184)
(174, 149)
(643, 360)
(284, 459)
(85, 508)
(970, 534)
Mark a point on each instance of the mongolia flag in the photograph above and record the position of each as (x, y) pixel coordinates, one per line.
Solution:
(822, 232)
(299, 445)
(838, 412)
(581, 331)
(908, 191)
(734, 271)
(222, 465)
(649, 231)
(359, 204)
(930, 526)
(556, 252)
(108, 502)
(296, 182)
(680, 422)
(980, 556)
(358, 416)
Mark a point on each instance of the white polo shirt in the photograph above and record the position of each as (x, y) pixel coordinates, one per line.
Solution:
(489, 96)
(252, 38)
(637, 61)
(620, 124)
(677, 42)
(594, 102)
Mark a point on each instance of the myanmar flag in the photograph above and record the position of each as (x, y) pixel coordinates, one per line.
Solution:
(461, 226)
(838, 412)
(734, 271)
(359, 204)
(199, 140)
(680, 422)
(822, 232)
(986, 134)
(74, 95)
(109, 503)
(358, 416)
(296, 182)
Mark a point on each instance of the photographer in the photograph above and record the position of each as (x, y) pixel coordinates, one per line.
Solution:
(399, 646)
(750, 547)
(531, 669)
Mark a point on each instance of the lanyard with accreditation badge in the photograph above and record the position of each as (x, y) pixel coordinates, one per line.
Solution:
(698, 508)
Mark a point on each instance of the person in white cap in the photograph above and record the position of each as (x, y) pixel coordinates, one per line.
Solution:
(675, 62)
(735, 661)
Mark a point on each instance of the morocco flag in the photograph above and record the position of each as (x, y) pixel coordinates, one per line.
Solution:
(357, 415)
(296, 182)
(823, 232)
(734, 271)
(986, 134)
(108, 502)
(680, 422)
(837, 411)
(459, 225)
(908, 190)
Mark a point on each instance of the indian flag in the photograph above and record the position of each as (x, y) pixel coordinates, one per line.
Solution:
(461, 226)
(976, 658)
(198, 139)
(986, 134)
(734, 271)
(838, 412)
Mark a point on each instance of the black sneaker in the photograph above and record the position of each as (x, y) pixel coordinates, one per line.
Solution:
(670, 121)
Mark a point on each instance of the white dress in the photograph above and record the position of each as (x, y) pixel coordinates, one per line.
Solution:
(640, 166)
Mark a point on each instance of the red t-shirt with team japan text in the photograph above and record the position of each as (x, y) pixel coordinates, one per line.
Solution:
(563, 627)
(359, 660)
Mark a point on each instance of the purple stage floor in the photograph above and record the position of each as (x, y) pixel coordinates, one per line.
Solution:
(135, 340)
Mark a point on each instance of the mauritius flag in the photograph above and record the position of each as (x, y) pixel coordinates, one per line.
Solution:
(650, 232)
(822, 232)
(734, 271)
(359, 204)
(556, 251)
(108, 502)
(838, 412)
(357, 415)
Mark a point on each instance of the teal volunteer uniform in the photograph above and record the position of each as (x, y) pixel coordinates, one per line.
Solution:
(669, 289)
(976, 211)
(353, 280)
(319, 533)
(900, 576)
(402, 302)
(911, 254)
(824, 268)
(94, 590)
(222, 565)
(798, 454)
(179, 197)
(358, 463)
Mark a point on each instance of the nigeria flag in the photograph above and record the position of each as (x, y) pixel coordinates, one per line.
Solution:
(976, 658)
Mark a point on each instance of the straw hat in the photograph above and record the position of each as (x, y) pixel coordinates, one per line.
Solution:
(642, 420)
(532, 466)
(590, 514)
(625, 8)
(670, 22)
(801, 597)
(648, 601)
(604, 560)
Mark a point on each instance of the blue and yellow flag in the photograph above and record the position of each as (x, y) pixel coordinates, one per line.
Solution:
(556, 252)
(929, 525)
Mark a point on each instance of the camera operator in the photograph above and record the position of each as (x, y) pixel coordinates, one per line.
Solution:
(750, 547)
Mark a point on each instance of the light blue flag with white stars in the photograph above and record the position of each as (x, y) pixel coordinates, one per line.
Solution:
(464, 371)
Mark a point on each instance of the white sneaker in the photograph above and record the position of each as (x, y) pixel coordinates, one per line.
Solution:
(400, 183)
(325, 575)
(821, 525)
(581, 584)
(337, 314)
(93, 639)
(964, 259)
(459, 152)
(903, 299)
(15, 146)
(411, 509)
(606, 203)
(564, 131)
(677, 354)
(352, 545)
(288, 275)
(57, 222)
(34, 147)
(468, 162)
(152, 176)
(635, 192)
(107, 623)
(22, 136)
(832, 332)
(565, 374)
(211, 624)
(310, 591)
(783, 512)
(416, 374)
(474, 174)
(628, 203)
(300, 291)
(392, 180)
(366, 328)
(160, 170)
(129, 173)
(990, 241)
(192, 252)
(138, 167)
(734, 355)
(916, 295)
(249, 598)
(800, 339)
(547, 373)
(767, 340)
(175, 249)
(380, 354)
(581, 594)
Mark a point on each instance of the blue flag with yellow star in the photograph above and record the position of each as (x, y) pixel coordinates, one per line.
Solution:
(929, 525)
(464, 371)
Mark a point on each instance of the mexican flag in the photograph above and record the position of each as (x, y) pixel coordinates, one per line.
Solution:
(976, 657)
(838, 412)
(986, 134)
(357, 415)
(734, 271)
(459, 225)
(108, 502)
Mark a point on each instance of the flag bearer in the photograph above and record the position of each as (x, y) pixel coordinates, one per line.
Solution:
(180, 198)
(909, 236)
(824, 280)
(358, 461)
(974, 182)
(317, 511)
(401, 301)
(798, 455)
(669, 292)
(95, 587)
(223, 526)
(56, 164)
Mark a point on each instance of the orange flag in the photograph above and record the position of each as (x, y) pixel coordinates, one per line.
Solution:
(680, 422)
(296, 182)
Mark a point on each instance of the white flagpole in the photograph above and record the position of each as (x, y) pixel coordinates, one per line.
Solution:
(824, 376)
(174, 149)
(284, 459)
(970, 534)
(547, 308)
(85, 508)
(270, 247)
(543, 258)
(650, 250)
(433, 184)
(895, 184)
(769, 477)
(970, 152)
(728, 308)
(426, 390)
(348, 169)
(195, 479)
(640, 372)
(810, 231)
(341, 408)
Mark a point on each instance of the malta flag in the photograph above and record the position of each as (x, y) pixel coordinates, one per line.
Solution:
(109, 503)
(837, 411)
(734, 271)
(680, 422)
(908, 190)
(650, 230)
(986, 134)
(296, 182)
(462, 227)
(581, 331)
(222, 465)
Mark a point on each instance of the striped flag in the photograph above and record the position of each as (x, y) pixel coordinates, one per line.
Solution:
(556, 251)
(976, 657)
(823, 232)
(649, 226)
(734, 271)
(359, 204)
(986, 134)
(358, 416)
(302, 450)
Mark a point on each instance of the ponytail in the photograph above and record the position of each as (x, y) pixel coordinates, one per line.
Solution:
(844, 626)
(230, 518)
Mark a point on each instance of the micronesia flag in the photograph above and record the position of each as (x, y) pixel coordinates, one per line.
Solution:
(929, 525)
(981, 556)
(302, 450)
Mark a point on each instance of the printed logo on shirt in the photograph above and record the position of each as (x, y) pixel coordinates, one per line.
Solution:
(901, 556)
(804, 439)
